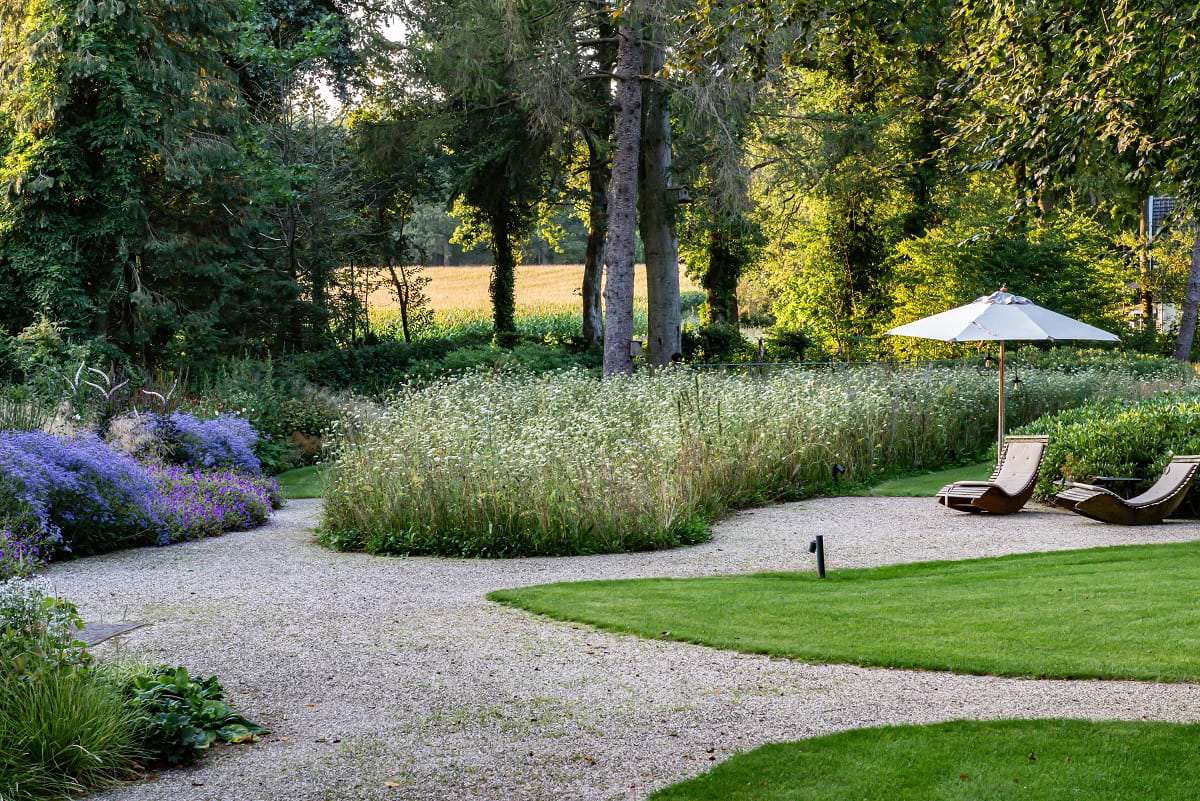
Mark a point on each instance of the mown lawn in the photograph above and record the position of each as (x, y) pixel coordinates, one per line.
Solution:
(1127, 612)
(1016, 760)
(927, 484)
(303, 482)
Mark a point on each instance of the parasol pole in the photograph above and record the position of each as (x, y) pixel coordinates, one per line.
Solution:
(1000, 413)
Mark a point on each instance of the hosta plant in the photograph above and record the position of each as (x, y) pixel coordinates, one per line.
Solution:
(181, 716)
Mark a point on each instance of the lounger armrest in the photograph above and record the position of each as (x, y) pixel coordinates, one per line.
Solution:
(973, 484)
(1092, 487)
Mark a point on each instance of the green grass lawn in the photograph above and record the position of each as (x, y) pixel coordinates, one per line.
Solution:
(303, 482)
(926, 485)
(1013, 760)
(1127, 612)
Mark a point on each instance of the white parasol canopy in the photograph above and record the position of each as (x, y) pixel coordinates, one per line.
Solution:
(1001, 317)
(998, 317)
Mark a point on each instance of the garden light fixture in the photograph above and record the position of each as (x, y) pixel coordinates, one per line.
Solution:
(817, 546)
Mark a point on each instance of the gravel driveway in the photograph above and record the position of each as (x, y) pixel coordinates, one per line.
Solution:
(394, 678)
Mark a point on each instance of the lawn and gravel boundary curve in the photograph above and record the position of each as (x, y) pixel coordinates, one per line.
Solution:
(395, 678)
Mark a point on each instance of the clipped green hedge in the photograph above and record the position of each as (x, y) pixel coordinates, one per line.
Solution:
(1117, 438)
(1071, 359)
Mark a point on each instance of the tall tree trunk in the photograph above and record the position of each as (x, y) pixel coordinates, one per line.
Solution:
(503, 273)
(1191, 305)
(658, 207)
(622, 204)
(593, 263)
(598, 137)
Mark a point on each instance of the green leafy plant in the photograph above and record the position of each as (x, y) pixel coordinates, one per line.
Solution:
(715, 342)
(38, 631)
(1118, 439)
(180, 717)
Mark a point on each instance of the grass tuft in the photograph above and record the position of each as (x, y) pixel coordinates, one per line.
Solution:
(63, 732)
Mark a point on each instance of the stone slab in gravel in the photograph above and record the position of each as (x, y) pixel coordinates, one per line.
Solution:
(387, 678)
(96, 633)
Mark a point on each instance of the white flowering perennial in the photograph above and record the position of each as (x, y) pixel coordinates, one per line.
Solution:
(503, 465)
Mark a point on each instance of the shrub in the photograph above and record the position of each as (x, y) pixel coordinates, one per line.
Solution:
(377, 369)
(79, 496)
(514, 464)
(715, 342)
(1073, 360)
(179, 717)
(198, 504)
(76, 493)
(1119, 439)
(224, 441)
(787, 344)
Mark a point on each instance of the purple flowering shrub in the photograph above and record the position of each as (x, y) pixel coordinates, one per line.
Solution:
(76, 494)
(80, 496)
(198, 504)
(222, 442)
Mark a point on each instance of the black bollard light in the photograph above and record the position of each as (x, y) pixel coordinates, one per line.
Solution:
(817, 546)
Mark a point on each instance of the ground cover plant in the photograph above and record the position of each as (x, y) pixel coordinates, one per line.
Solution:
(505, 465)
(1117, 613)
(1047, 760)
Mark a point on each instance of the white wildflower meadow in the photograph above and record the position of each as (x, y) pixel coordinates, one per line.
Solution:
(505, 465)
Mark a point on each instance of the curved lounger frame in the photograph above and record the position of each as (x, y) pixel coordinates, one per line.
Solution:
(1152, 506)
(1011, 484)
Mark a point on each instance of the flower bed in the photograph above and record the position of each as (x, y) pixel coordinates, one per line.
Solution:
(516, 465)
(79, 495)
(198, 504)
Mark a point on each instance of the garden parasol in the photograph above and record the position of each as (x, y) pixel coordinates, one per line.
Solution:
(1001, 317)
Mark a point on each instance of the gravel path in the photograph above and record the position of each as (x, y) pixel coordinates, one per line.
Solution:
(395, 679)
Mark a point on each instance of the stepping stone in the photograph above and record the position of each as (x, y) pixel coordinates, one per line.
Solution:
(96, 633)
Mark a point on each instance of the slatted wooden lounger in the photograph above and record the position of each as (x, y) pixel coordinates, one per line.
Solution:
(1152, 506)
(1011, 484)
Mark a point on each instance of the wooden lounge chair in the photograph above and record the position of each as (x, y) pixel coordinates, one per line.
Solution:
(1011, 484)
(1152, 506)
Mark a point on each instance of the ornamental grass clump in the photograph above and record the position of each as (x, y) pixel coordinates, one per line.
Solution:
(501, 465)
